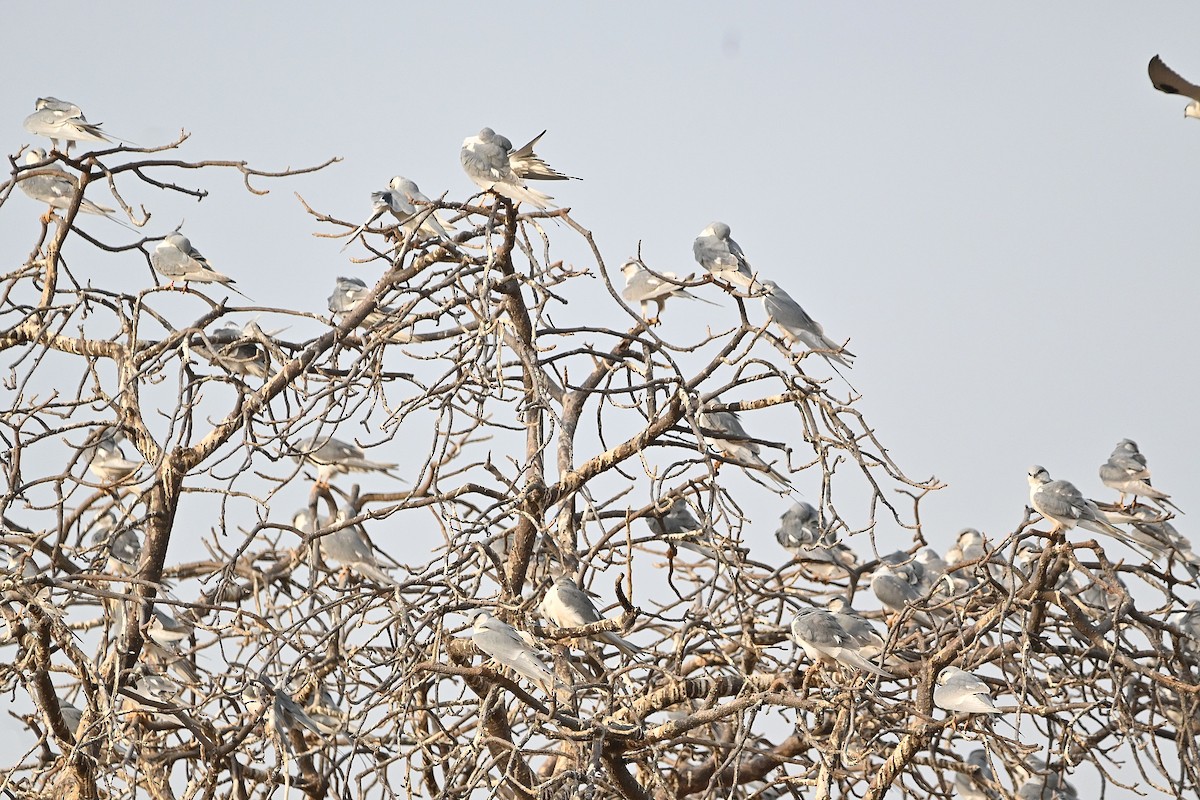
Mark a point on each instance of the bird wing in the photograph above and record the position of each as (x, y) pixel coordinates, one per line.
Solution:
(1168, 80)
(1060, 499)
(527, 164)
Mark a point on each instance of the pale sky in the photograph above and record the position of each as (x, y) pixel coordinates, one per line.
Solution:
(992, 203)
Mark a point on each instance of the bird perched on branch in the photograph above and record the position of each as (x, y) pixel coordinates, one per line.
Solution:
(798, 326)
(1126, 471)
(568, 606)
(502, 642)
(825, 640)
(491, 163)
(57, 188)
(959, 690)
(1064, 506)
(59, 120)
(401, 199)
(644, 288)
(725, 432)
(718, 253)
(176, 259)
(332, 456)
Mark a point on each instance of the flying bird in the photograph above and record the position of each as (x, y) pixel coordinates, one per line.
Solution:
(506, 647)
(175, 259)
(1064, 506)
(798, 326)
(568, 606)
(1126, 471)
(959, 690)
(644, 288)
(724, 430)
(491, 163)
(1168, 80)
(59, 120)
(401, 199)
(824, 640)
(332, 456)
(723, 257)
(57, 188)
(235, 349)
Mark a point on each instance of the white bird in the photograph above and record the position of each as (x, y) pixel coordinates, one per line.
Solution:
(800, 529)
(1126, 471)
(959, 690)
(59, 120)
(333, 456)
(1160, 538)
(502, 642)
(491, 163)
(724, 431)
(1050, 786)
(175, 259)
(238, 350)
(964, 784)
(1064, 506)
(679, 527)
(163, 633)
(971, 546)
(798, 326)
(823, 639)
(106, 460)
(124, 548)
(898, 590)
(723, 257)
(283, 713)
(57, 188)
(870, 642)
(644, 288)
(409, 206)
(568, 606)
(348, 293)
(1187, 620)
(347, 547)
(1168, 80)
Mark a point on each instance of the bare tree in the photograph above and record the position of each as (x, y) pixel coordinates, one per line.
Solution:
(420, 641)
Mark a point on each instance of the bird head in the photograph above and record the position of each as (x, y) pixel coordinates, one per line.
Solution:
(717, 229)
(1038, 475)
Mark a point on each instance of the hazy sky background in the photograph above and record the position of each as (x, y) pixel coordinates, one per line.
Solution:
(992, 203)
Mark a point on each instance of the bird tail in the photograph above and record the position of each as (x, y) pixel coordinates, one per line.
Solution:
(523, 194)
(622, 645)
(376, 574)
(691, 296)
(1165, 500)
(355, 233)
(858, 662)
